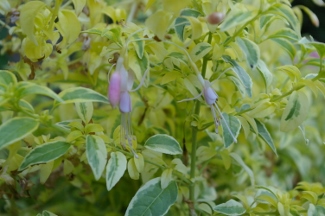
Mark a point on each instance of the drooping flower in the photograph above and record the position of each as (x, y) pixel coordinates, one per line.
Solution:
(118, 95)
(119, 89)
(211, 98)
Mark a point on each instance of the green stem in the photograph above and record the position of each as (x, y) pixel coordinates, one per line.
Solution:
(195, 130)
(288, 93)
(193, 153)
(205, 59)
(55, 13)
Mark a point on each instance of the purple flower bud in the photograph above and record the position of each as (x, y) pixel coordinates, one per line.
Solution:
(209, 94)
(114, 89)
(125, 102)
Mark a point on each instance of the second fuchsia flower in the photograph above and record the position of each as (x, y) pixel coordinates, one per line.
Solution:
(211, 97)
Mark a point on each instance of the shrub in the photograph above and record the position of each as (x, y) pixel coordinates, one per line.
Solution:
(212, 106)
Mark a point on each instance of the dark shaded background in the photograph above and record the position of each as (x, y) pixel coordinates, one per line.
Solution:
(308, 28)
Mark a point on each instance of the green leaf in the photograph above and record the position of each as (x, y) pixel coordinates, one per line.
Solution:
(295, 112)
(28, 13)
(265, 72)
(238, 84)
(292, 71)
(26, 106)
(200, 50)
(78, 5)
(243, 76)
(231, 207)
(115, 169)
(234, 125)
(287, 13)
(196, 27)
(236, 17)
(265, 21)
(265, 135)
(248, 170)
(166, 178)
(81, 94)
(96, 154)
(190, 12)
(181, 22)
(151, 199)
(159, 23)
(178, 56)
(164, 144)
(85, 111)
(286, 45)
(315, 210)
(286, 34)
(251, 51)
(138, 46)
(133, 170)
(139, 66)
(7, 77)
(45, 171)
(28, 88)
(45, 153)
(93, 31)
(16, 129)
(69, 27)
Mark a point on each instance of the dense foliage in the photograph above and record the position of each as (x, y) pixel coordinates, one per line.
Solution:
(192, 107)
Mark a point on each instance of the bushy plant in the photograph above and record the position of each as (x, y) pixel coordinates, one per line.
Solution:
(198, 107)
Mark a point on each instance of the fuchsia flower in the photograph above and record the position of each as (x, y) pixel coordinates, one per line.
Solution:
(120, 84)
(211, 98)
(119, 89)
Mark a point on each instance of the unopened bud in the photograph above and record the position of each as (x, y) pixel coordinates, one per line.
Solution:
(215, 18)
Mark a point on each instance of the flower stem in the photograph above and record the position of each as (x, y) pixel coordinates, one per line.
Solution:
(193, 152)
(195, 130)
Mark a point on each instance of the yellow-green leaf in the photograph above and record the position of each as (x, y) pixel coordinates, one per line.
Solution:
(96, 154)
(85, 111)
(132, 169)
(16, 129)
(28, 12)
(159, 23)
(166, 178)
(69, 27)
(295, 112)
(115, 169)
(79, 5)
(45, 153)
